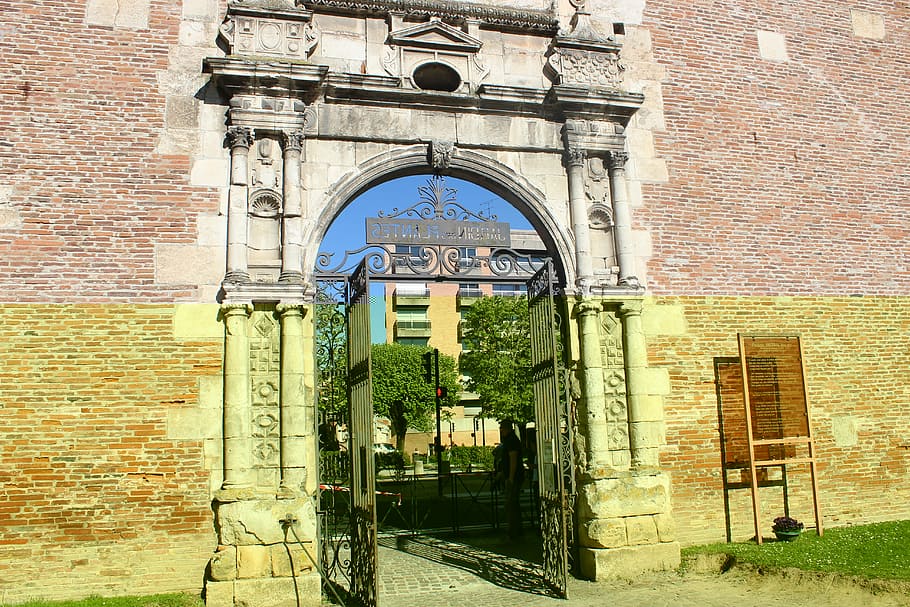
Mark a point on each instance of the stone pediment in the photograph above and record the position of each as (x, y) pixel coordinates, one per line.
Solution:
(436, 35)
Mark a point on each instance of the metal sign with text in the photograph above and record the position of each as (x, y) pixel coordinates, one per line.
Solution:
(443, 232)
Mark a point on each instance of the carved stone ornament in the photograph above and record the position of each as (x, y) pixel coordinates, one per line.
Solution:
(240, 137)
(441, 154)
(293, 140)
(618, 160)
(575, 155)
(249, 29)
(600, 217)
(588, 68)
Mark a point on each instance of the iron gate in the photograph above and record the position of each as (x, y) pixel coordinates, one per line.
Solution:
(364, 579)
(554, 428)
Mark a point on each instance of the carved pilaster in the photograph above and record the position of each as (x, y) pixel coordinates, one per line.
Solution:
(238, 446)
(592, 387)
(645, 417)
(292, 229)
(297, 419)
(240, 139)
(622, 219)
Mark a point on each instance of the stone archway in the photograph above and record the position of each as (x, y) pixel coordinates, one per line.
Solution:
(310, 127)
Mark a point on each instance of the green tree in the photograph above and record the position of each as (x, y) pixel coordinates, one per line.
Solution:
(401, 392)
(497, 357)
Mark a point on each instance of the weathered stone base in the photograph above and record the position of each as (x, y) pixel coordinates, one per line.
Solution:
(302, 591)
(629, 561)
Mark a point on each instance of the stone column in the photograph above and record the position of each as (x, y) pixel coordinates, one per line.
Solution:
(622, 219)
(240, 139)
(292, 224)
(592, 387)
(294, 419)
(578, 210)
(238, 442)
(645, 412)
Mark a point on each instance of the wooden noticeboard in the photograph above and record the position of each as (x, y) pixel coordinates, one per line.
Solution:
(776, 411)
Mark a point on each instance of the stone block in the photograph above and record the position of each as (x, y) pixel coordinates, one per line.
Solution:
(772, 46)
(211, 389)
(845, 430)
(257, 522)
(641, 530)
(669, 319)
(278, 592)
(10, 219)
(219, 594)
(197, 322)
(211, 230)
(254, 562)
(125, 14)
(867, 25)
(291, 559)
(628, 562)
(542, 164)
(193, 423)
(622, 497)
(649, 170)
(210, 172)
(666, 527)
(599, 533)
(223, 565)
(180, 112)
(182, 264)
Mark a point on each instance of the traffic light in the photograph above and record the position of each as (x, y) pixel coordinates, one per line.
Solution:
(428, 367)
(441, 392)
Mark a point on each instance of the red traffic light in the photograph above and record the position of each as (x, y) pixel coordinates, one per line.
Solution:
(441, 392)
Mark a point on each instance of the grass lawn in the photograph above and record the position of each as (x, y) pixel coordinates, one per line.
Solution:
(877, 551)
(154, 600)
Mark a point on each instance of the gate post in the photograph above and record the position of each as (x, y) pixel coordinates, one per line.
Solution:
(624, 522)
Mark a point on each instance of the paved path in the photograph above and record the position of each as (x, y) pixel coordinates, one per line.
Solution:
(431, 572)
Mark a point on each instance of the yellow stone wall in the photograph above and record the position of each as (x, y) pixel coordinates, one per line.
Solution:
(857, 367)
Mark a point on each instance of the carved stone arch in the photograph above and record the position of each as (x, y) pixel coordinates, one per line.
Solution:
(471, 166)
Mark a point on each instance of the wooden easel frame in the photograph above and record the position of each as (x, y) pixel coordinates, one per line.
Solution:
(784, 441)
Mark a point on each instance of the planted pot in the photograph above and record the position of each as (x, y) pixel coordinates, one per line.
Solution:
(787, 536)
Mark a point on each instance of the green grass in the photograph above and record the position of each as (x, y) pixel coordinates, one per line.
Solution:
(877, 551)
(155, 600)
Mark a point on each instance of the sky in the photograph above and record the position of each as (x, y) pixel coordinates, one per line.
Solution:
(348, 232)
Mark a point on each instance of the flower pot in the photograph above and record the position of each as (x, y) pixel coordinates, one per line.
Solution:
(787, 536)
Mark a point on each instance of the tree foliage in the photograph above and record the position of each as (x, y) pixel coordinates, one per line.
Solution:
(401, 392)
(497, 357)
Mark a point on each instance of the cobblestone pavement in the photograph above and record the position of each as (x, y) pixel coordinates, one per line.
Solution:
(431, 572)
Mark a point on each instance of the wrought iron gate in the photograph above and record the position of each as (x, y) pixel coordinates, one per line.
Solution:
(364, 580)
(554, 427)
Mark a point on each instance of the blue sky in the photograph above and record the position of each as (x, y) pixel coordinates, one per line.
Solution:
(348, 233)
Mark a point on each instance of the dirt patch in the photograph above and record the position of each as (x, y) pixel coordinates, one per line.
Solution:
(835, 590)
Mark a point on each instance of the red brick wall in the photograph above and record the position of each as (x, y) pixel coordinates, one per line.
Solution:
(94, 495)
(80, 117)
(785, 177)
(857, 352)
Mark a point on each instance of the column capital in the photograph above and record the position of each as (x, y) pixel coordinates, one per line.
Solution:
(236, 308)
(293, 140)
(240, 137)
(617, 159)
(576, 156)
(291, 309)
(587, 307)
(631, 307)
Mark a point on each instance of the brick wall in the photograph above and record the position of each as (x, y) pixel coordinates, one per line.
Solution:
(96, 496)
(86, 195)
(785, 176)
(857, 352)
